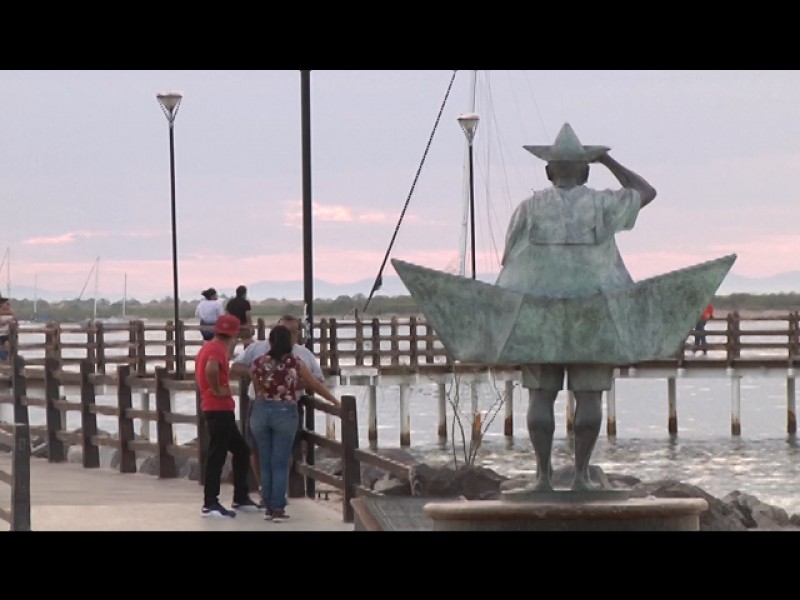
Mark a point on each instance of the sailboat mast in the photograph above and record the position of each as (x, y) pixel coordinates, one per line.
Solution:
(125, 294)
(35, 293)
(462, 261)
(96, 282)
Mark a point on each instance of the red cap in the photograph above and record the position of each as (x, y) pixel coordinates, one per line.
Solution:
(227, 325)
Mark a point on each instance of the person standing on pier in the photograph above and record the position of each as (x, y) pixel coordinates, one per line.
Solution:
(208, 311)
(239, 306)
(241, 368)
(212, 374)
(276, 377)
(700, 343)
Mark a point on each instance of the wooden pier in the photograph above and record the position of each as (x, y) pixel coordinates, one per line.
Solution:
(68, 367)
(403, 353)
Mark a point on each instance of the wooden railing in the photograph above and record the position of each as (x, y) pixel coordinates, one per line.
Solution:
(393, 345)
(18, 512)
(49, 377)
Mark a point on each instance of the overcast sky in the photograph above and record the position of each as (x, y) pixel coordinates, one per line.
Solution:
(84, 170)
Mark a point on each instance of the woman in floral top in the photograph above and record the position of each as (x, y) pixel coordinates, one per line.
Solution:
(276, 377)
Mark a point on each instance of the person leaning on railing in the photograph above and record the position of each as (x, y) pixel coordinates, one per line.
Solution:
(276, 376)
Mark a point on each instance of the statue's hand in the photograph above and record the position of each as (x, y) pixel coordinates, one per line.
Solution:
(602, 159)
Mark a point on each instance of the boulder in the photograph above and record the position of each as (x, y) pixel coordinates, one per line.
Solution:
(756, 514)
(470, 482)
(720, 515)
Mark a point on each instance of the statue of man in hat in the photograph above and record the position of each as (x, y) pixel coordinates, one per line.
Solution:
(560, 244)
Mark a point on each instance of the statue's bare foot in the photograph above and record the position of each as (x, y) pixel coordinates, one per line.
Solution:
(541, 485)
(581, 484)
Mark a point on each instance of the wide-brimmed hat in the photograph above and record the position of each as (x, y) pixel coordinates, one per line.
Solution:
(227, 325)
(567, 147)
(208, 293)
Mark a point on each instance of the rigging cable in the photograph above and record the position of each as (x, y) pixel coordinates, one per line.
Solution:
(379, 279)
(94, 266)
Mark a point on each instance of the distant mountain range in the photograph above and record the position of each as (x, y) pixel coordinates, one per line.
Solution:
(788, 282)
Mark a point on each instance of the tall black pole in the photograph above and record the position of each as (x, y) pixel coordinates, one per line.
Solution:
(178, 329)
(472, 209)
(308, 252)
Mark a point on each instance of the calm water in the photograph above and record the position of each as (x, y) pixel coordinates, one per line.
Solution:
(764, 461)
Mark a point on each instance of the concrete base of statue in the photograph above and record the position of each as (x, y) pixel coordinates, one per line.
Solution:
(567, 511)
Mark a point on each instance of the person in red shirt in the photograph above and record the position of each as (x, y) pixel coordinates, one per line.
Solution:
(212, 373)
(700, 327)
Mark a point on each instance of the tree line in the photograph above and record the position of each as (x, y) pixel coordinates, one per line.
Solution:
(342, 307)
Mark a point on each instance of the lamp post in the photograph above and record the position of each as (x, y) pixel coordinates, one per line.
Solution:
(308, 246)
(170, 102)
(469, 123)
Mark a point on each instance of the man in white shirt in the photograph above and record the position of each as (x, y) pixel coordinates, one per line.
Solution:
(240, 367)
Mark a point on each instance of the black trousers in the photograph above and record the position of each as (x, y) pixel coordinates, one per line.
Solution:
(224, 436)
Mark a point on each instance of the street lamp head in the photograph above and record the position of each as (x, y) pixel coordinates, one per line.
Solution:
(469, 123)
(170, 102)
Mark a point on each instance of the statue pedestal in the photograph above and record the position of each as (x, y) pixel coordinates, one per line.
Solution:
(635, 514)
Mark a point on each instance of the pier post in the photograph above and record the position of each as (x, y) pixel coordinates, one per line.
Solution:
(54, 417)
(791, 404)
(441, 429)
(169, 358)
(736, 402)
(508, 420)
(127, 457)
(91, 453)
(100, 345)
(405, 420)
(672, 410)
(476, 415)
(166, 462)
(19, 385)
(372, 416)
(351, 468)
(611, 410)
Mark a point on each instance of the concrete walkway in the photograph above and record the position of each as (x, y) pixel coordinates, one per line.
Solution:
(67, 497)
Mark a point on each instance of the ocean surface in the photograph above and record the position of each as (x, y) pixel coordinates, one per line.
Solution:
(763, 461)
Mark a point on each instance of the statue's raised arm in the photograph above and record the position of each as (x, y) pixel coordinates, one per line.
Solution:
(628, 178)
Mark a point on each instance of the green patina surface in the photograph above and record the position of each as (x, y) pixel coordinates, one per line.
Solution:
(487, 324)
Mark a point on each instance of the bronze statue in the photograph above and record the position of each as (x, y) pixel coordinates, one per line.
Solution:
(564, 304)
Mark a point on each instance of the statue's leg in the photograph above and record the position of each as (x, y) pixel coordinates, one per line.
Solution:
(541, 427)
(588, 420)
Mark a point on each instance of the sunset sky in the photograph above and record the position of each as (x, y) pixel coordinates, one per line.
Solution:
(84, 170)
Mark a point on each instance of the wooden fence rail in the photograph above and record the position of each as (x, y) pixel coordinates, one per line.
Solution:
(57, 438)
(389, 345)
(18, 514)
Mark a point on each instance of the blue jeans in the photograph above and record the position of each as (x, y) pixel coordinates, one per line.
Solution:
(3, 351)
(700, 337)
(206, 330)
(274, 425)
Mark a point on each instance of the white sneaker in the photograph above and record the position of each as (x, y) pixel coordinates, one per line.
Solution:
(217, 511)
